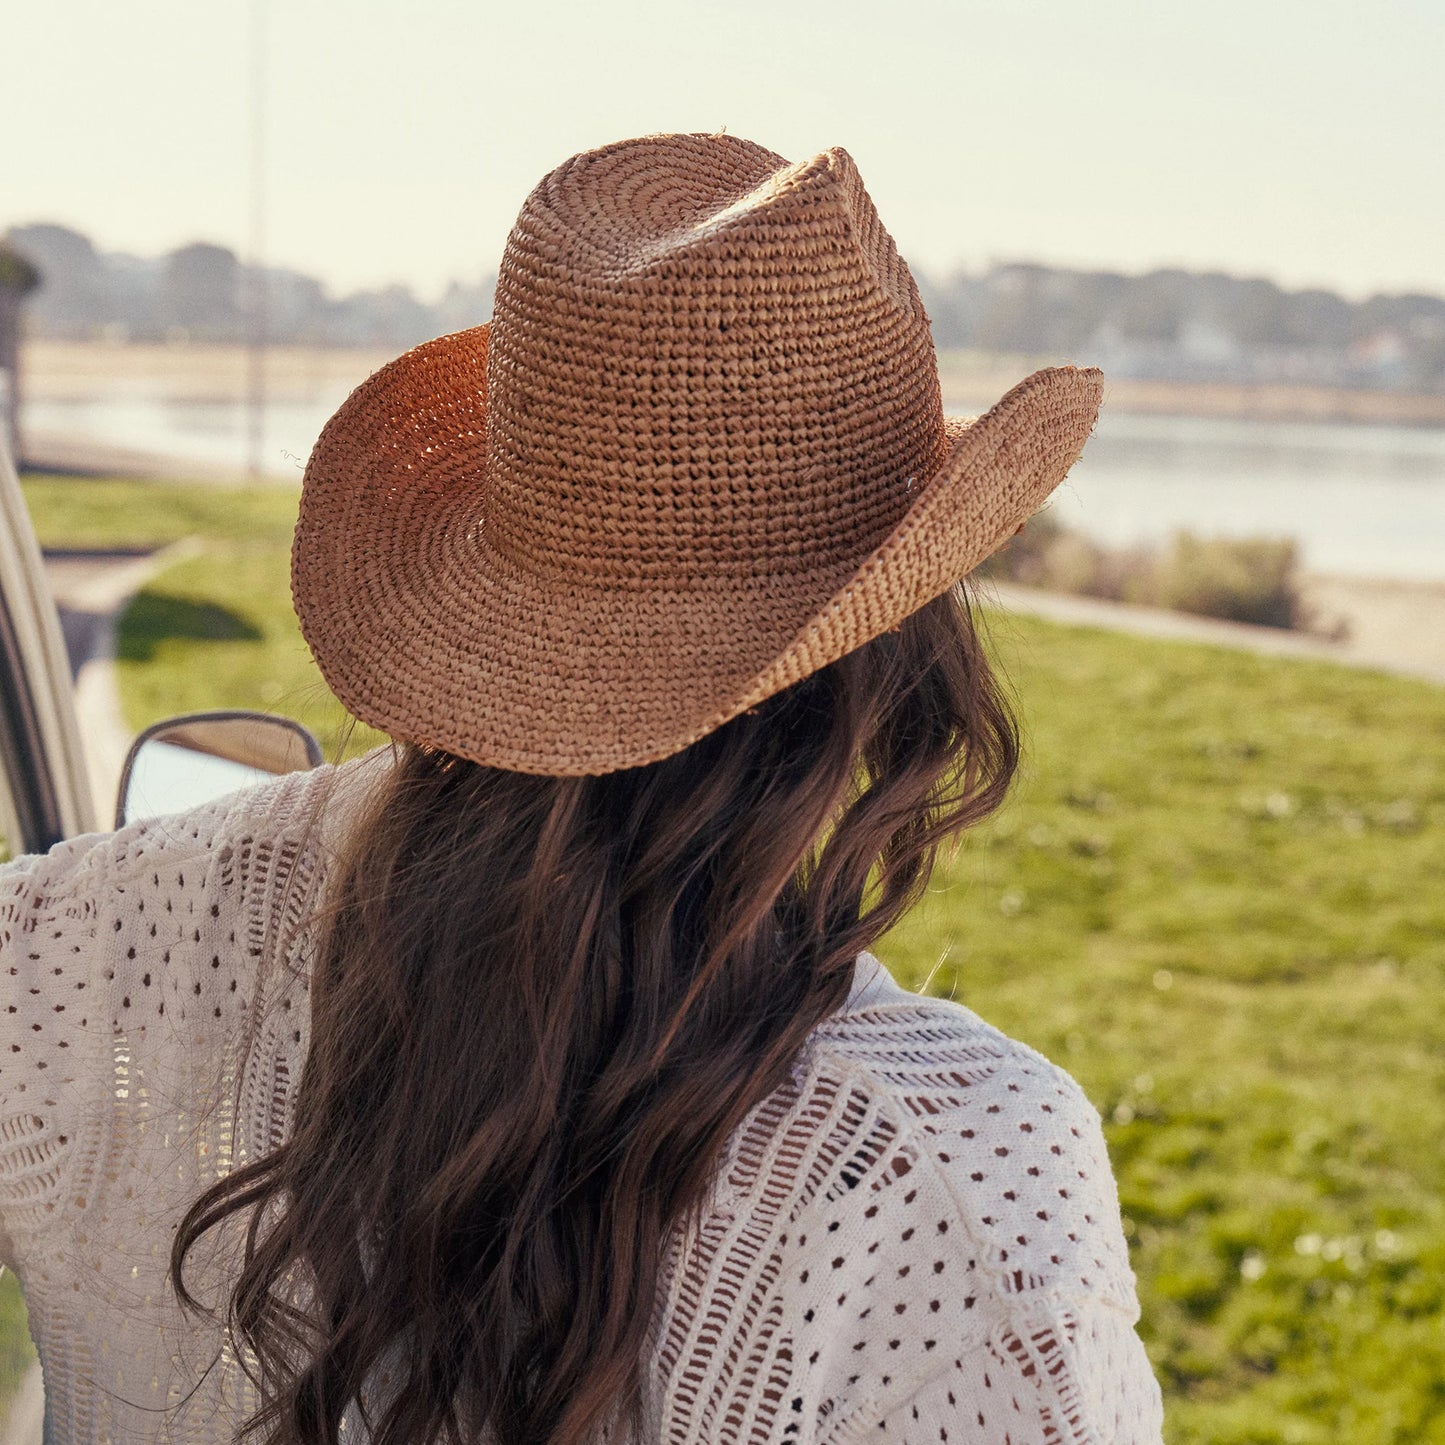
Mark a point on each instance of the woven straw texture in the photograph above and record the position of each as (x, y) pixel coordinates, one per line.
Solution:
(698, 454)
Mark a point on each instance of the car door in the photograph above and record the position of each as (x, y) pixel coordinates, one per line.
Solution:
(44, 789)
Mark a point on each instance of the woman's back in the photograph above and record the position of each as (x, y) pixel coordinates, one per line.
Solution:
(527, 1089)
(917, 1233)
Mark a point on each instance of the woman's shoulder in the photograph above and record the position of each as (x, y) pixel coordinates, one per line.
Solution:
(926, 1201)
(237, 865)
(292, 811)
(977, 1132)
(937, 1060)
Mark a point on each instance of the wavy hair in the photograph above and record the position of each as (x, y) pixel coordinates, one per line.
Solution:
(540, 1007)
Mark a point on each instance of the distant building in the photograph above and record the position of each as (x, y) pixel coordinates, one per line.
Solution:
(17, 276)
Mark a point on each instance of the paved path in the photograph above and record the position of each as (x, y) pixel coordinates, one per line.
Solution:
(1384, 652)
(90, 590)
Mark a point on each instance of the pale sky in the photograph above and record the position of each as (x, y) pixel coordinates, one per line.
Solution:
(1301, 139)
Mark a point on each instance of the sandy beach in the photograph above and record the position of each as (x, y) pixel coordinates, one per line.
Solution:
(1399, 623)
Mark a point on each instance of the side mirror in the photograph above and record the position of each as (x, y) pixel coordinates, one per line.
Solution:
(185, 761)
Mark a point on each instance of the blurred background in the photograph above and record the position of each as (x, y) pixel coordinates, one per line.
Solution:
(218, 219)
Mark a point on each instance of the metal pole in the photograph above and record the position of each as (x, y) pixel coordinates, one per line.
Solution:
(255, 272)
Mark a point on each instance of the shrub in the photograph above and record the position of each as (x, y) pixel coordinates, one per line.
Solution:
(1251, 579)
(1241, 579)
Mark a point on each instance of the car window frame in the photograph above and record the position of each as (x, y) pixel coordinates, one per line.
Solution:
(45, 791)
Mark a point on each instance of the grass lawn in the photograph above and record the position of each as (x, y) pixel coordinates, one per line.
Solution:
(217, 628)
(1217, 898)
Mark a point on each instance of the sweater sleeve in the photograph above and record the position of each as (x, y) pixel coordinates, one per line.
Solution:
(1076, 1374)
(49, 953)
(130, 963)
(48, 962)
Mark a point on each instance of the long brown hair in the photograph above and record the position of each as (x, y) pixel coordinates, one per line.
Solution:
(540, 1007)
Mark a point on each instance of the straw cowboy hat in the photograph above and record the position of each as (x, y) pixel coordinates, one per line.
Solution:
(698, 454)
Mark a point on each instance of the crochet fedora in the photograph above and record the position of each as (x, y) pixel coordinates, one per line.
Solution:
(698, 453)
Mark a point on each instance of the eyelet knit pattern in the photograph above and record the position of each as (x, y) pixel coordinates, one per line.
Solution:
(916, 1239)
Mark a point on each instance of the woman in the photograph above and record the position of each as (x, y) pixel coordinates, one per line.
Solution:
(532, 1082)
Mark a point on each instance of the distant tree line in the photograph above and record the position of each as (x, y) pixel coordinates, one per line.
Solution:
(1187, 325)
(1170, 324)
(202, 292)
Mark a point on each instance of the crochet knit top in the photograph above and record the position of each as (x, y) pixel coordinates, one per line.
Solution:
(915, 1239)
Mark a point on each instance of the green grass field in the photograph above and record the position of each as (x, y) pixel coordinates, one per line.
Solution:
(218, 625)
(1217, 898)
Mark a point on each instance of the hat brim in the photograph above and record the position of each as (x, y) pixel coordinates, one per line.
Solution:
(425, 630)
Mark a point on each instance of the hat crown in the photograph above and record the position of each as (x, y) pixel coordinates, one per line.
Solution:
(702, 357)
(697, 456)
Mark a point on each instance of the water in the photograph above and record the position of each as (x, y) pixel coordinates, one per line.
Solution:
(1364, 500)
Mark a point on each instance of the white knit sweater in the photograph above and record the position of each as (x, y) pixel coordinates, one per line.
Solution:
(917, 1239)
